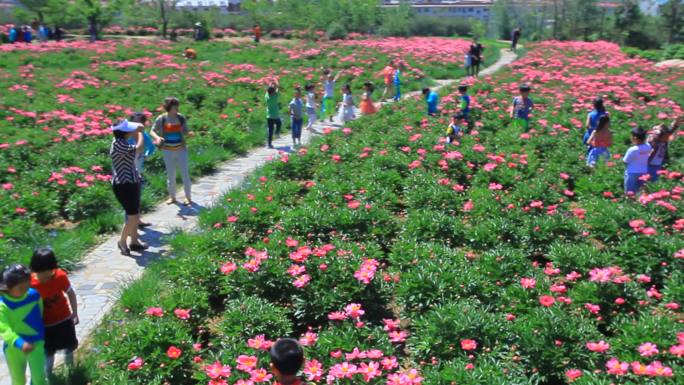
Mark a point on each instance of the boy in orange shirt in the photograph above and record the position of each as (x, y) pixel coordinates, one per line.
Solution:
(59, 316)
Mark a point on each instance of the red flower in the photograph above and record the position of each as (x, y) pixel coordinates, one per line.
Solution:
(546, 300)
(173, 352)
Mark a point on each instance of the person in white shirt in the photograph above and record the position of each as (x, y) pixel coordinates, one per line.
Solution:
(311, 106)
(636, 161)
(328, 105)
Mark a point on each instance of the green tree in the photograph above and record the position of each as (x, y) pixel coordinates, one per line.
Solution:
(672, 19)
(36, 6)
(501, 12)
(99, 14)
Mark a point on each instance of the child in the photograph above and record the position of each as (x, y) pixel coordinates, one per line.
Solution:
(367, 106)
(387, 74)
(464, 106)
(599, 141)
(592, 120)
(295, 109)
(21, 326)
(659, 141)
(467, 62)
(190, 53)
(272, 112)
(521, 108)
(60, 319)
(636, 160)
(287, 358)
(432, 100)
(347, 108)
(454, 129)
(397, 82)
(328, 105)
(311, 106)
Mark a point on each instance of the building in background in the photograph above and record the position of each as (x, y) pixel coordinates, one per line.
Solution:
(225, 6)
(471, 9)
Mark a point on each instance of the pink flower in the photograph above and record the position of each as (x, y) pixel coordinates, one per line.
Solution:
(528, 283)
(337, 316)
(313, 370)
(468, 206)
(389, 363)
(354, 310)
(656, 369)
(598, 347)
(7, 186)
(677, 350)
(648, 349)
(136, 364)
(546, 300)
(616, 367)
(308, 339)
(246, 363)
(397, 336)
(468, 344)
(259, 343)
(391, 324)
(564, 176)
(573, 374)
(232, 219)
(369, 371)
(217, 370)
(228, 268)
(593, 309)
(183, 314)
(353, 205)
(260, 375)
(155, 312)
(302, 281)
(173, 352)
(639, 369)
(343, 370)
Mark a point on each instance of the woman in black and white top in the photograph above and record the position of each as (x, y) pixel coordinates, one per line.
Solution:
(126, 181)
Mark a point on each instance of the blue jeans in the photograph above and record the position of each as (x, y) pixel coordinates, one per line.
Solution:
(632, 182)
(653, 171)
(296, 127)
(595, 154)
(397, 87)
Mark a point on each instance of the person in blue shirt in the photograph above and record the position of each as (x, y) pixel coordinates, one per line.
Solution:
(464, 101)
(593, 119)
(12, 35)
(521, 108)
(432, 100)
(397, 81)
(28, 35)
(21, 326)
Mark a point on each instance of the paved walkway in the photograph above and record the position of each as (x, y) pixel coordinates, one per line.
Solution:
(104, 272)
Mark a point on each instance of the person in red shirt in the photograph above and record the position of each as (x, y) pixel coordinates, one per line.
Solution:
(59, 316)
(287, 358)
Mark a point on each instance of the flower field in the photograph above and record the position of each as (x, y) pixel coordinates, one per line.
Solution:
(398, 259)
(59, 100)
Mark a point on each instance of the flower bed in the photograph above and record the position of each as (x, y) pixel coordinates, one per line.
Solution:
(398, 259)
(59, 100)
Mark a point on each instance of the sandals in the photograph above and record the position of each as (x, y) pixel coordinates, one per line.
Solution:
(124, 249)
(171, 201)
(139, 247)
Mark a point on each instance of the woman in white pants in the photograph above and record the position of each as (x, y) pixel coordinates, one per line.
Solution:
(169, 132)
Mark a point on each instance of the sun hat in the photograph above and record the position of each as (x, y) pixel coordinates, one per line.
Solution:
(126, 126)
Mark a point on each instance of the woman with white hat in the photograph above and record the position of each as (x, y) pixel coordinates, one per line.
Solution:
(126, 180)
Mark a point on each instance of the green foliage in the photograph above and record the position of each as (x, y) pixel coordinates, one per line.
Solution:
(336, 31)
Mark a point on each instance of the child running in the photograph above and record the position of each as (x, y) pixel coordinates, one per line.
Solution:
(599, 141)
(59, 317)
(464, 104)
(636, 161)
(521, 108)
(367, 106)
(453, 132)
(287, 358)
(296, 119)
(21, 326)
(328, 105)
(347, 108)
(432, 100)
(311, 106)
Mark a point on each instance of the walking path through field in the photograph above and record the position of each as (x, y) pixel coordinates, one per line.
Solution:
(104, 272)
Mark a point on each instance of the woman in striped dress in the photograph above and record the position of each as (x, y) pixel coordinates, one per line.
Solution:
(126, 181)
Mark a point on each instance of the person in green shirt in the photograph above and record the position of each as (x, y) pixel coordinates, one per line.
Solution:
(272, 112)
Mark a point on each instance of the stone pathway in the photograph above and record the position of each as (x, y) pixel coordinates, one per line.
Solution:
(104, 272)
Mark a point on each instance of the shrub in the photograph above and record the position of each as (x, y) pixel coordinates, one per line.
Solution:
(336, 31)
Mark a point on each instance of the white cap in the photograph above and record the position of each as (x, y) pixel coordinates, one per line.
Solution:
(126, 126)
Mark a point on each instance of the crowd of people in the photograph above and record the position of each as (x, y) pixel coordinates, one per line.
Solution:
(36, 30)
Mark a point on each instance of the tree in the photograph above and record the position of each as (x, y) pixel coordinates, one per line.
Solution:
(99, 14)
(165, 9)
(36, 6)
(672, 18)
